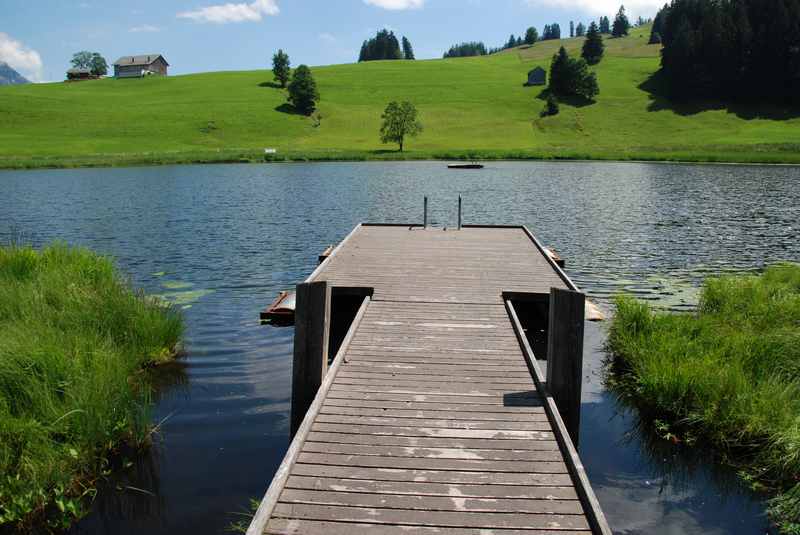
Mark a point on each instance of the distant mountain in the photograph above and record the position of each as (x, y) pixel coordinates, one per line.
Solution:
(9, 76)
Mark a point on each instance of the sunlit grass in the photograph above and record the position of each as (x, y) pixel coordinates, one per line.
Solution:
(728, 375)
(471, 108)
(74, 341)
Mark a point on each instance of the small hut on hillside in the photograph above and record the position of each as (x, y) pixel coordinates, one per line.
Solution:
(537, 76)
(77, 74)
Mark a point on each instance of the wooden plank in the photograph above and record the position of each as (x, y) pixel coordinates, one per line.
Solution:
(432, 476)
(524, 399)
(432, 503)
(530, 425)
(542, 441)
(419, 488)
(430, 518)
(551, 454)
(310, 364)
(501, 411)
(499, 434)
(422, 463)
(284, 526)
(434, 413)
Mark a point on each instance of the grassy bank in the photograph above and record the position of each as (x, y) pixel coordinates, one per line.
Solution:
(471, 108)
(727, 377)
(74, 344)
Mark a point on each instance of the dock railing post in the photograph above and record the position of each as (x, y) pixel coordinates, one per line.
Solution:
(310, 364)
(565, 355)
(459, 212)
(425, 213)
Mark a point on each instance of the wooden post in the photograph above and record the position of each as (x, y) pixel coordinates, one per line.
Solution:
(312, 318)
(425, 213)
(459, 212)
(565, 356)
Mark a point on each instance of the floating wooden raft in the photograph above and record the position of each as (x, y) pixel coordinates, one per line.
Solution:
(434, 416)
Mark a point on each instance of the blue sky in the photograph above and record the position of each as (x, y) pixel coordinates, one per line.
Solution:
(38, 37)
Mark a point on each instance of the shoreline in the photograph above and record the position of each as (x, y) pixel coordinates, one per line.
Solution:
(247, 156)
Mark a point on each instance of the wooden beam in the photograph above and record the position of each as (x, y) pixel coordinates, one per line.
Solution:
(565, 355)
(312, 321)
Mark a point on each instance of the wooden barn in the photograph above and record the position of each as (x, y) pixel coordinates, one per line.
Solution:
(537, 76)
(139, 66)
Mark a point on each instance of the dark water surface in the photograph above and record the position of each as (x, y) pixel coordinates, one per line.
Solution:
(220, 241)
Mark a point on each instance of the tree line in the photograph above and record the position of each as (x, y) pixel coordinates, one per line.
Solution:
(385, 46)
(619, 28)
(743, 49)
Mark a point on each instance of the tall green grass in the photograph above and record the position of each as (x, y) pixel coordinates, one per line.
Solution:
(727, 375)
(74, 342)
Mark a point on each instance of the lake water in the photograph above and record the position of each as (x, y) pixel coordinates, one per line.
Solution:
(221, 241)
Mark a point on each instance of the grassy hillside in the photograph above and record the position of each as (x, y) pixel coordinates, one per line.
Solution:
(470, 107)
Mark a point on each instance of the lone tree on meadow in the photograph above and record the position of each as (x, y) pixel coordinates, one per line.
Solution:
(281, 67)
(399, 121)
(621, 24)
(593, 46)
(90, 60)
(303, 93)
(408, 50)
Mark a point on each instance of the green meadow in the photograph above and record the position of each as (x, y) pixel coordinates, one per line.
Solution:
(470, 107)
(726, 377)
(76, 346)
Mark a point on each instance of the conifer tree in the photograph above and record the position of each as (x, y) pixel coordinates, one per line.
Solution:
(593, 46)
(605, 25)
(408, 51)
(621, 24)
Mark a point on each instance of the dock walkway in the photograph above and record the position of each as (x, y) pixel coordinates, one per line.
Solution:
(433, 417)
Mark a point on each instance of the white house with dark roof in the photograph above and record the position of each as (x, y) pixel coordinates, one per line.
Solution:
(138, 66)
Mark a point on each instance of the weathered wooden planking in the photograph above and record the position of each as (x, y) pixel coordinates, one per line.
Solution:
(286, 526)
(433, 423)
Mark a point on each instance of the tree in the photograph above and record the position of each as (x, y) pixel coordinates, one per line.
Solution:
(551, 31)
(399, 121)
(531, 35)
(383, 46)
(593, 46)
(621, 24)
(605, 25)
(551, 108)
(98, 65)
(82, 60)
(462, 50)
(570, 76)
(580, 30)
(658, 25)
(408, 51)
(303, 93)
(512, 41)
(571, 29)
(281, 67)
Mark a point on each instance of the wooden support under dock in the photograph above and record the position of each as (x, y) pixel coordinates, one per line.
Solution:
(434, 416)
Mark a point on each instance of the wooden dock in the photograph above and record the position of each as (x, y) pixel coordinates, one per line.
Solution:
(433, 416)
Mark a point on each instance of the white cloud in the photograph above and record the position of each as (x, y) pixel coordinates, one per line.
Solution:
(396, 5)
(25, 60)
(327, 37)
(145, 28)
(224, 13)
(604, 7)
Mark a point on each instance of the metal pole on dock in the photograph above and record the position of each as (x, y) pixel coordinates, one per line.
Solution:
(565, 355)
(459, 212)
(425, 213)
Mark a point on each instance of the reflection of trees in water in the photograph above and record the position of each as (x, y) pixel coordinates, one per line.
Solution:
(678, 465)
(133, 493)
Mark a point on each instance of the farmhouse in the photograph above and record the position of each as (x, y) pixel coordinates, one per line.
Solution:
(138, 66)
(537, 76)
